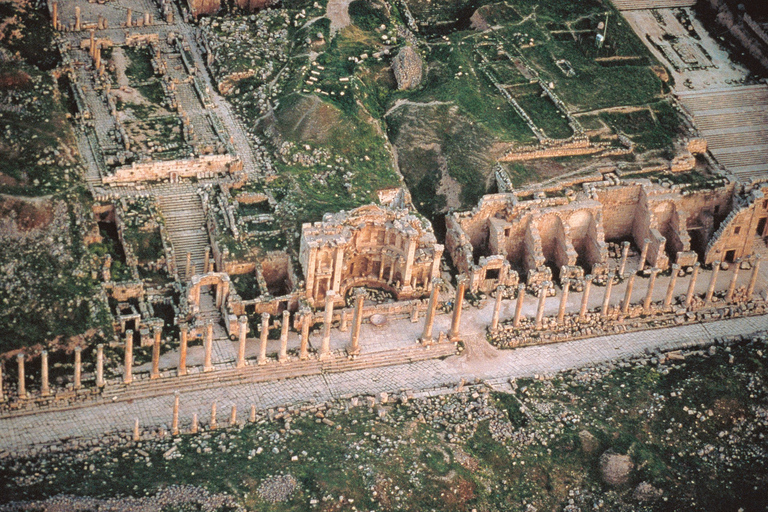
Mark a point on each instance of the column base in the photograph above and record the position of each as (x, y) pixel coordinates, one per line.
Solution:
(353, 352)
(426, 341)
(324, 357)
(303, 357)
(240, 364)
(153, 376)
(282, 359)
(207, 369)
(261, 362)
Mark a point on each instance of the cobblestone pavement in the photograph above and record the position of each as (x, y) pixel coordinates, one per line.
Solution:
(480, 361)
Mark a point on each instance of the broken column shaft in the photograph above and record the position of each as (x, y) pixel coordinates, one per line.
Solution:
(624, 255)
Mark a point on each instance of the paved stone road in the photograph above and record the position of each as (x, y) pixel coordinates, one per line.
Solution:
(480, 361)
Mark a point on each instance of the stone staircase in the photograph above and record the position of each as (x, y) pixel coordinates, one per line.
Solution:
(734, 121)
(196, 381)
(185, 223)
(636, 5)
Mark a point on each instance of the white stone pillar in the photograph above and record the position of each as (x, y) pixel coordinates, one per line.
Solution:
(519, 305)
(649, 293)
(628, 294)
(241, 333)
(585, 297)
(624, 255)
(497, 308)
(542, 301)
(732, 284)
(175, 419)
(429, 320)
(264, 336)
(155, 373)
(607, 296)
(183, 333)
(306, 323)
(208, 346)
(282, 356)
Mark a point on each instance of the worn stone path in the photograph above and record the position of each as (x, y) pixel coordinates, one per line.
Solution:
(480, 361)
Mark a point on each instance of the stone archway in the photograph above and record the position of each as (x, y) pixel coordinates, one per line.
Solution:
(218, 279)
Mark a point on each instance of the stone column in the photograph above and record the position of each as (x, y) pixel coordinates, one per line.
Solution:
(183, 333)
(92, 48)
(78, 367)
(264, 336)
(344, 323)
(128, 17)
(136, 431)
(429, 320)
(306, 321)
(585, 297)
(189, 265)
(78, 22)
(21, 378)
(672, 284)
(692, 285)
(542, 301)
(195, 424)
(243, 328)
(732, 284)
(213, 425)
(282, 356)
(624, 255)
(45, 387)
(128, 372)
(325, 345)
(55, 16)
(497, 308)
(649, 294)
(712, 282)
(100, 365)
(628, 294)
(206, 261)
(753, 278)
(155, 373)
(175, 420)
(607, 296)
(354, 340)
(453, 335)
(208, 345)
(2, 390)
(519, 305)
(252, 415)
(643, 254)
(233, 416)
(563, 301)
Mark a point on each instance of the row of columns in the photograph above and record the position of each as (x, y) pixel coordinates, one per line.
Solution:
(626, 302)
(213, 423)
(45, 385)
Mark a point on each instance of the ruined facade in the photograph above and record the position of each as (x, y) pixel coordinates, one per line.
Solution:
(562, 233)
(382, 247)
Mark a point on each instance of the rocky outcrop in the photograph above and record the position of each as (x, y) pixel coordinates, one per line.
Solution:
(407, 67)
(615, 468)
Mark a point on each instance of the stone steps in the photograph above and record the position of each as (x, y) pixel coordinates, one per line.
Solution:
(185, 223)
(144, 387)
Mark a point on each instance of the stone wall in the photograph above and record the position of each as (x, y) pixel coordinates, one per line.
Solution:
(199, 167)
(538, 232)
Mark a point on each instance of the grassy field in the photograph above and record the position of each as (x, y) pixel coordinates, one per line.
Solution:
(693, 431)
